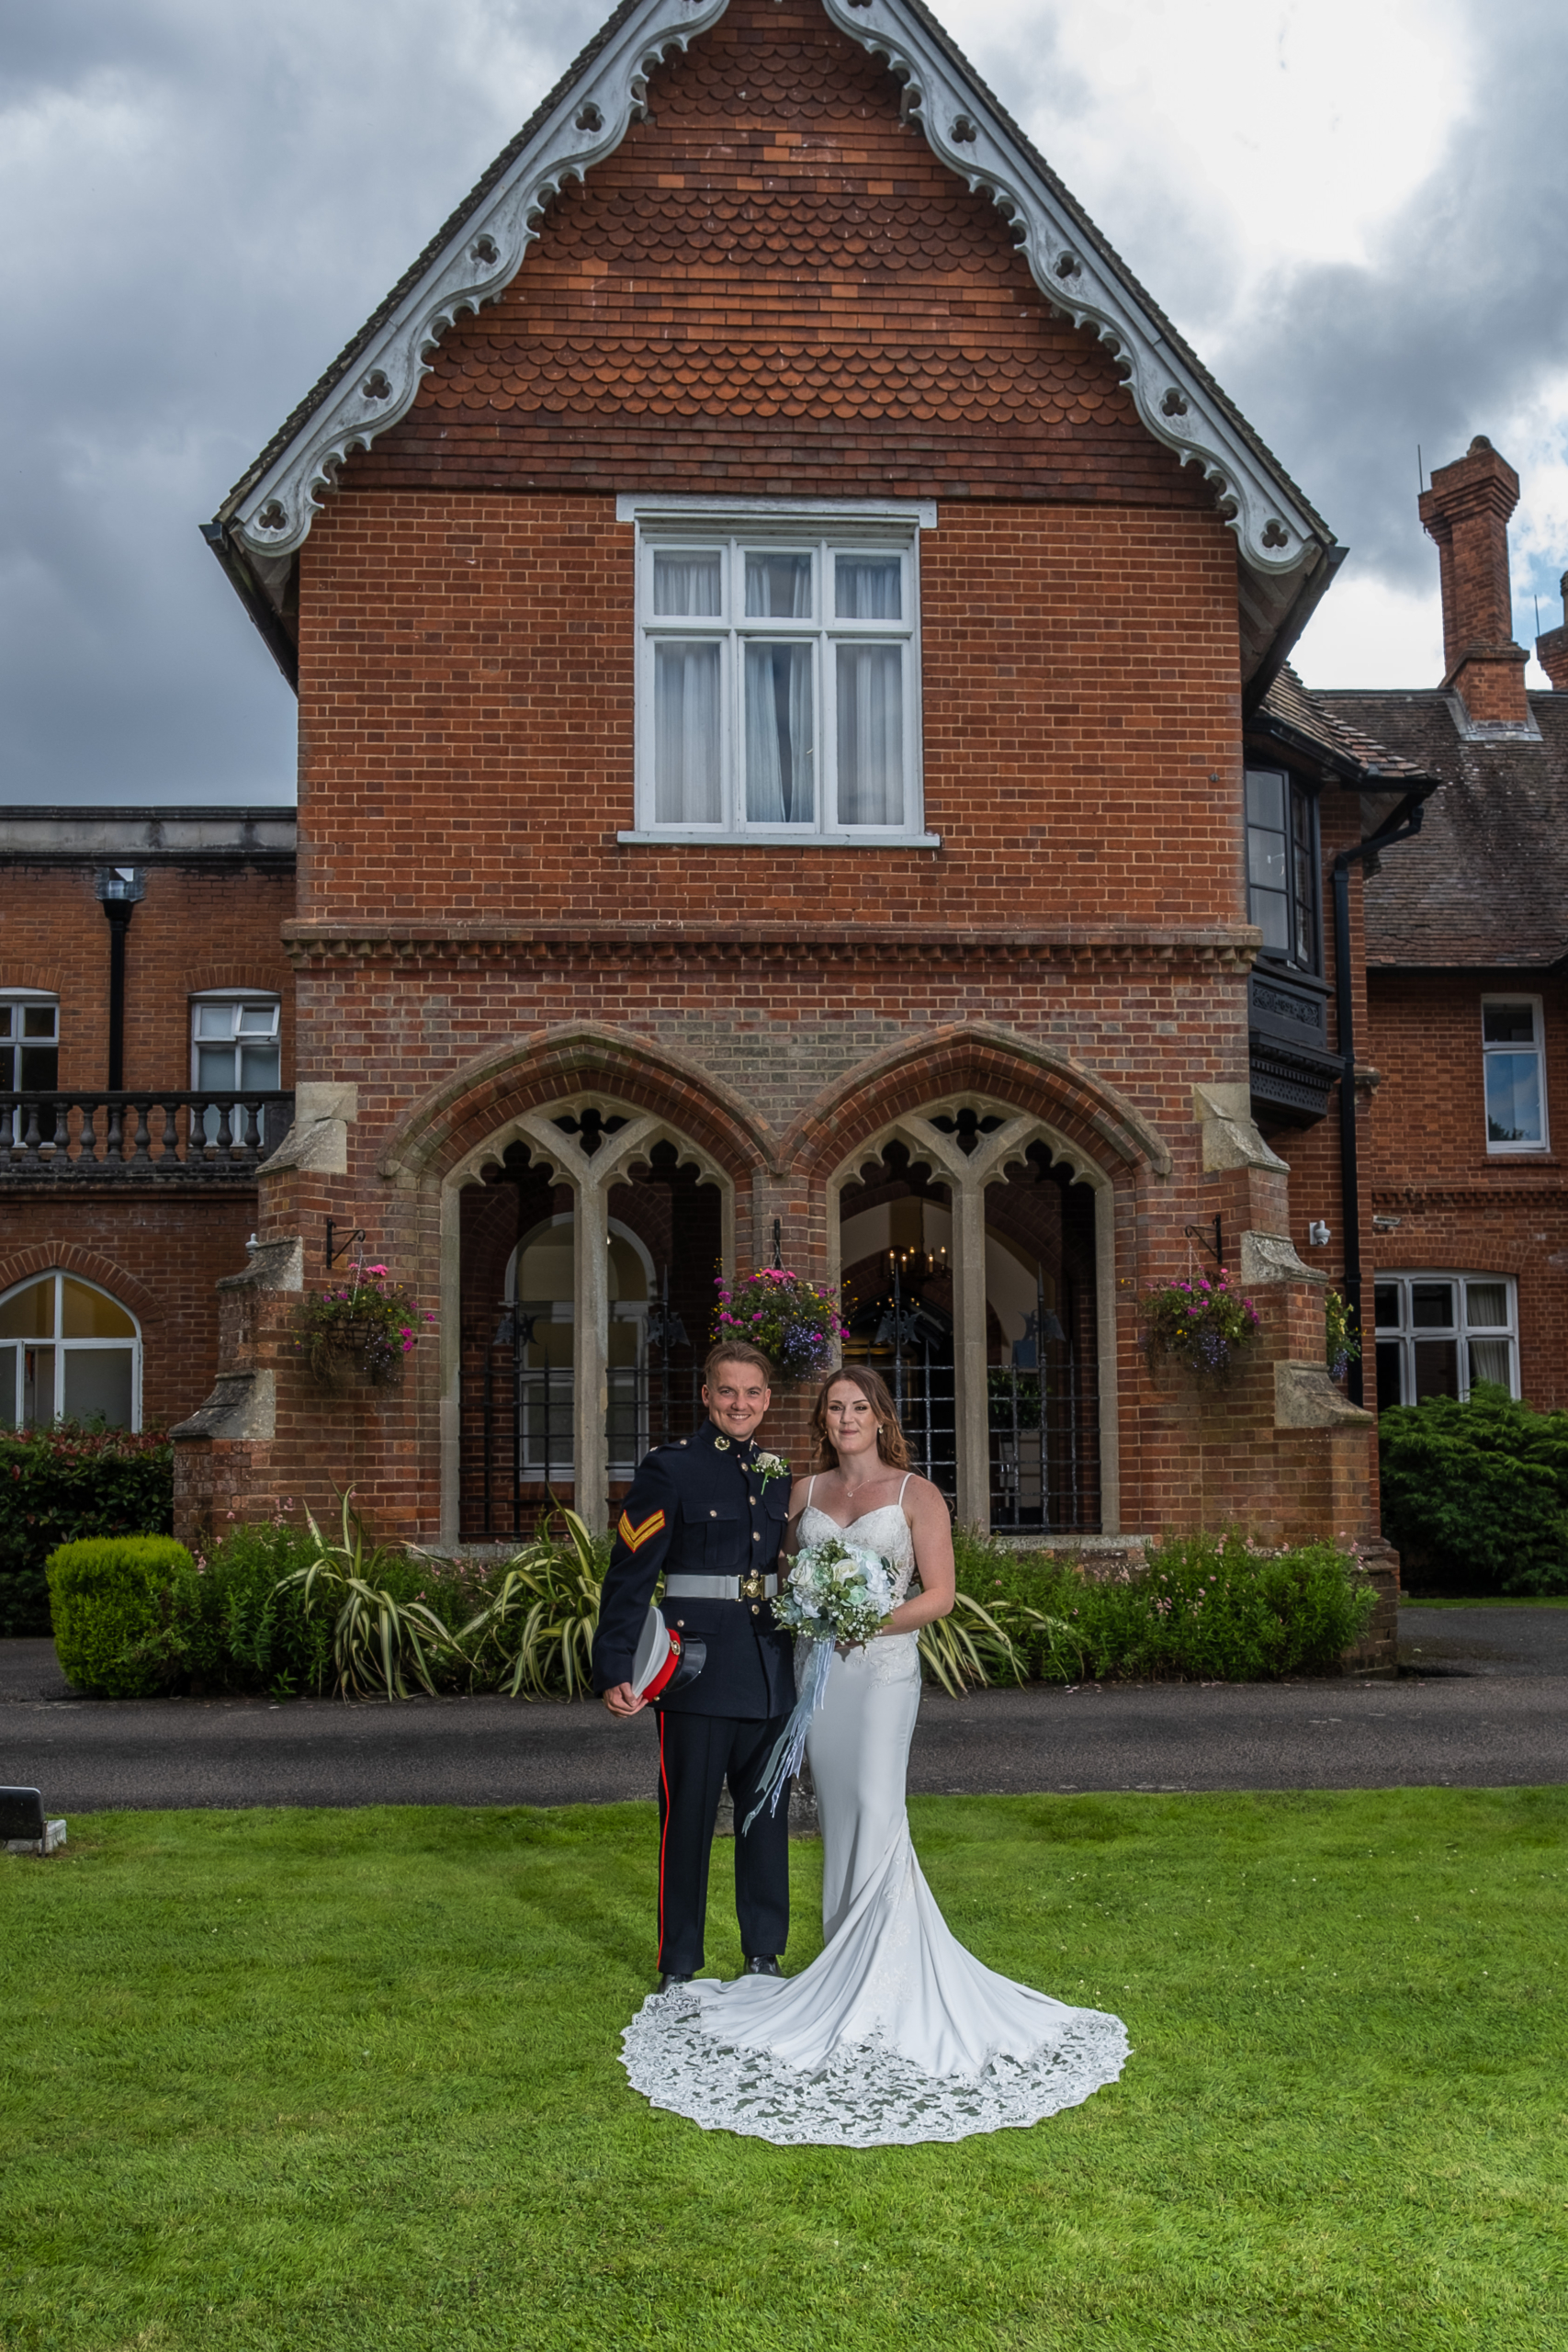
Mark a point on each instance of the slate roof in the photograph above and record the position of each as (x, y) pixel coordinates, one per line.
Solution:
(1485, 885)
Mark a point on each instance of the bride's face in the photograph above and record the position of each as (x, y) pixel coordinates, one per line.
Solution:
(852, 1424)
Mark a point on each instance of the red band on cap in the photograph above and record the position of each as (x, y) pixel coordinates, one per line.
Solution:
(672, 1660)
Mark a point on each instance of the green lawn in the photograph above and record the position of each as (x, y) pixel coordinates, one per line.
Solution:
(343, 2080)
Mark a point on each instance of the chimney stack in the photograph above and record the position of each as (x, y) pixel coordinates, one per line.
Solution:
(1551, 650)
(1467, 511)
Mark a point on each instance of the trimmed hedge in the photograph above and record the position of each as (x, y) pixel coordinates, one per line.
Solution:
(1475, 1496)
(1214, 1607)
(67, 1482)
(108, 1597)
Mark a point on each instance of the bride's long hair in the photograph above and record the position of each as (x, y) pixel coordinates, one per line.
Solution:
(892, 1447)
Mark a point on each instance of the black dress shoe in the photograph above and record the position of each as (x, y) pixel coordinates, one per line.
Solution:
(675, 1976)
(762, 1966)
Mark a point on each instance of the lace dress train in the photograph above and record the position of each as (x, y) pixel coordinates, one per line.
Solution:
(894, 2034)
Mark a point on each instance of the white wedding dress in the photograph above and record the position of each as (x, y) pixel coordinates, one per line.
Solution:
(894, 2034)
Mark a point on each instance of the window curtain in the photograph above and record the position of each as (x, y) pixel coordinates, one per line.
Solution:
(870, 588)
(779, 746)
(871, 734)
(687, 586)
(1489, 1361)
(686, 782)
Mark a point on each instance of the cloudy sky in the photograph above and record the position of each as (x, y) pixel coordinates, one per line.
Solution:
(1354, 208)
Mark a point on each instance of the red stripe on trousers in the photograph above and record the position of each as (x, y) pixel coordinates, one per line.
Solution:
(663, 1833)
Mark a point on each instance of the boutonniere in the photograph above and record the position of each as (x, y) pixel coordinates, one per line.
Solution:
(769, 1465)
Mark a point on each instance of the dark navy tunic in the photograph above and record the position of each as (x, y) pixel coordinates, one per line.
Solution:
(700, 1507)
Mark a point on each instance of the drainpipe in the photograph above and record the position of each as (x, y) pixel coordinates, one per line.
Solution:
(1406, 823)
(120, 887)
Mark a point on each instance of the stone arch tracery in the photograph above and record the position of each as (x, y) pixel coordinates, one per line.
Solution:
(970, 1139)
(590, 1139)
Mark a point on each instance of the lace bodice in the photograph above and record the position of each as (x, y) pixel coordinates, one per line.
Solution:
(884, 1529)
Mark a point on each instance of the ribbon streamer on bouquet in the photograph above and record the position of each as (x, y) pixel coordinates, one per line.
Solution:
(790, 1746)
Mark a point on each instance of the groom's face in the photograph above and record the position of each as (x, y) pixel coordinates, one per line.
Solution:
(737, 1397)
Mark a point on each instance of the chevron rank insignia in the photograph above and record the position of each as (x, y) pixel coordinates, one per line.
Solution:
(634, 1538)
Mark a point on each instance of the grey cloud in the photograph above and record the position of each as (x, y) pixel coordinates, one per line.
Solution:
(204, 199)
(208, 201)
(1460, 317)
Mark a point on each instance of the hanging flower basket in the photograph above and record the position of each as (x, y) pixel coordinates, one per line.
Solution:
(360, 1335)
(794, 1321)
(1201, 1326)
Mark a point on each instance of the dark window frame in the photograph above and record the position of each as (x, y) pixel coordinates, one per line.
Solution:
(1303, 864)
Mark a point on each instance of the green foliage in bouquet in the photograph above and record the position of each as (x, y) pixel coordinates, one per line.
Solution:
(1475, 1496)
(1204, 1326)
(367, 1326)
(796, 1322)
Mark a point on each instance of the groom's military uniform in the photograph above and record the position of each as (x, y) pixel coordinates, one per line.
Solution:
(700, 1514)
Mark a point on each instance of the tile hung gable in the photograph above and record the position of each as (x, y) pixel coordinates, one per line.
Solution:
(776, 257)
(807, 225)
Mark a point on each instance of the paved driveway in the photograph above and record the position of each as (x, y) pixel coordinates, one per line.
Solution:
(1483, 1702)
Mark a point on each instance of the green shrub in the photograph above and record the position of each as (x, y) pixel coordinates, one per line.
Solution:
(109, 1600)
(1475, 1496)
(1211, 1606)
(64, 1483)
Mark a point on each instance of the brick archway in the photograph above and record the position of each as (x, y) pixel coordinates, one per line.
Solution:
(479, 1101)
(1092, 1119)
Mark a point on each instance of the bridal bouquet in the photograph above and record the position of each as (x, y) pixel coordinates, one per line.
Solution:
(835, 1592)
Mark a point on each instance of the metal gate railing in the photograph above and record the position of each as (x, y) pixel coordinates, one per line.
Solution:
(1036, 1441)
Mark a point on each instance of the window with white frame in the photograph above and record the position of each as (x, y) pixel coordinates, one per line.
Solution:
(235, 1044)
(778, 675)
(1513, 1063)
(68, 1351)
(1439, 1334)
(30, 1041)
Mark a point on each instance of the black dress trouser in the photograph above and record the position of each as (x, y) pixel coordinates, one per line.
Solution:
(696, 1755)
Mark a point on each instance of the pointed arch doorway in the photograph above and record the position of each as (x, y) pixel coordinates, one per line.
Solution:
(974, 1252)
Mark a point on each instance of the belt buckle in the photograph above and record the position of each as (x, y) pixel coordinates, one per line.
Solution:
(754, 1585)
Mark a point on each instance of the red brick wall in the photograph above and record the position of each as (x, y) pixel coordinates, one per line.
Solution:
(160, 1250)
(775, 286)
(1459, 1206)
(466, 722)
(199, 927)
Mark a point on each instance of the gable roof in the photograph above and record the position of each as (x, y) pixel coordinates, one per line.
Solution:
(1287, 551)
(1484, 887)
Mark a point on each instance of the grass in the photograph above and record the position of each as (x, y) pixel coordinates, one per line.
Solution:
(321, 2081)
(1493, 1600)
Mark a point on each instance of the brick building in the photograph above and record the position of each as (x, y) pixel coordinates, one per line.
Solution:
(781, 624)
(1467, 953)
(146, 1062)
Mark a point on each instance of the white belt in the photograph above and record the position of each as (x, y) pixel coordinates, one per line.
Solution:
(704, 1587)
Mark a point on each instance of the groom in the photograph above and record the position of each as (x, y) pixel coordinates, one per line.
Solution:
(702, 1512)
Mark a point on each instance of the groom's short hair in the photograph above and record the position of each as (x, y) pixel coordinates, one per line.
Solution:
(735, 1352)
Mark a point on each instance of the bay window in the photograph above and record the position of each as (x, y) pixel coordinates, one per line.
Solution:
(1281, 866)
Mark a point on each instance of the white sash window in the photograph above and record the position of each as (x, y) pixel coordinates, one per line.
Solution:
(778, 672)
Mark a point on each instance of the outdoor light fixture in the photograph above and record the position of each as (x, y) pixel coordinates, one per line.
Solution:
(1318, 1234)
(121, 889)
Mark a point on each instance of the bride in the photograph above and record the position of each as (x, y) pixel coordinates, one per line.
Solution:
(894, 2034)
